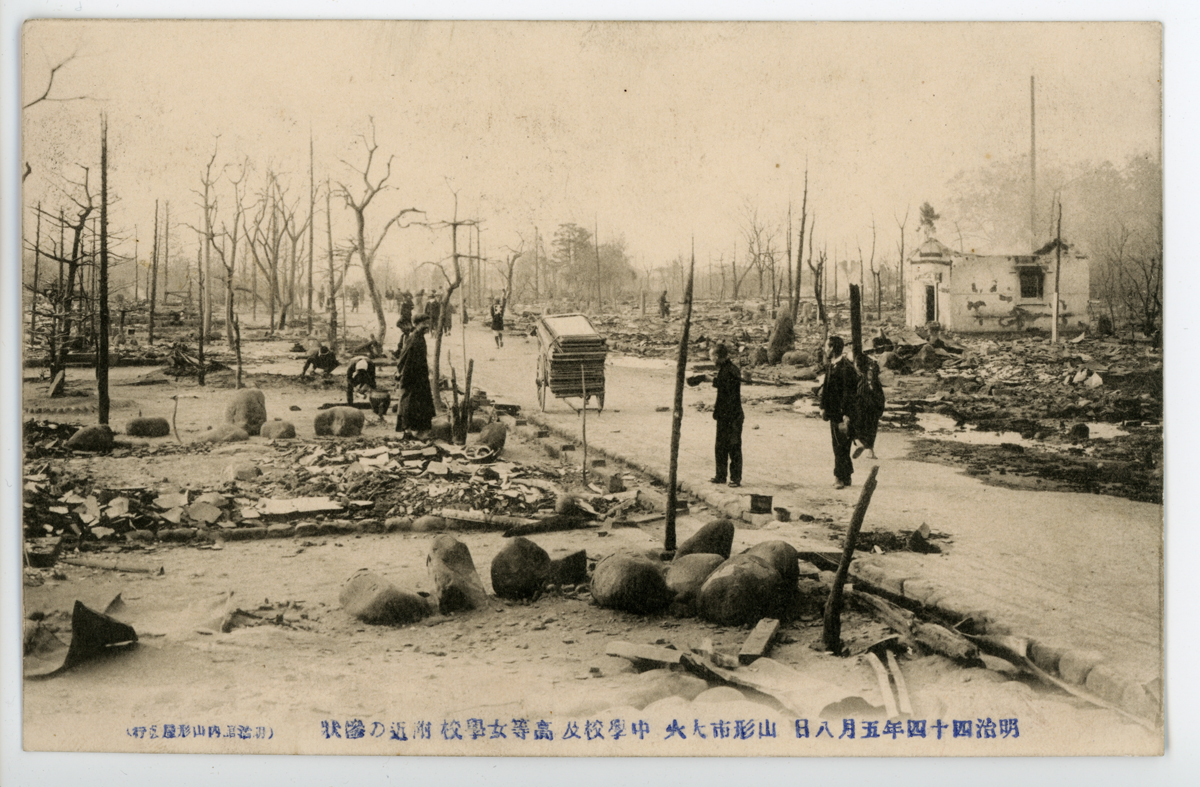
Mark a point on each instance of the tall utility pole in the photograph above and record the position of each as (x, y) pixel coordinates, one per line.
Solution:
(599, 292)
(1032, 170)
(536, 293)
(166, 253)
(153, 276)
(312, 212)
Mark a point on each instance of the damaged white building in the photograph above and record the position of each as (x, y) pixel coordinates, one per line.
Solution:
(987, 293)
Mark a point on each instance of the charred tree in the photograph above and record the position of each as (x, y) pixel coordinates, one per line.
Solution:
(102, 276)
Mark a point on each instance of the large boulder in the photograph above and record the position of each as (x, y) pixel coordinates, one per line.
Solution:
(797, 358)
(148, 427)
(520, 570)
(741, 591)
(630, 582)
(783, 338)
(278, 430)
(457, 583)
(226, 433)
(687, 574)
(91, 438)
(715, 538)
(372, 599)
(569, 570)
(339, 422)
(247, 410)
(781, 556)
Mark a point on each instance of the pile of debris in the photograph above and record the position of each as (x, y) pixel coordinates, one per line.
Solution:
(369, 478)
(1097, 380)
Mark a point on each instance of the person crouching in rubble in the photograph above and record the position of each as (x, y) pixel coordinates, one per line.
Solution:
(360, 378)
(870, 403)
(323, 359)
(415, 412)
(838, 395)
(728, 414)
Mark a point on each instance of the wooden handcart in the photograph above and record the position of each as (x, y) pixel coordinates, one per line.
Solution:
(570, 360)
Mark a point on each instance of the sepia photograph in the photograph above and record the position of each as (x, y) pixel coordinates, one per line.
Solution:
(591, 389)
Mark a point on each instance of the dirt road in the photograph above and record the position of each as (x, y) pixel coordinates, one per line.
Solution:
(278, 685)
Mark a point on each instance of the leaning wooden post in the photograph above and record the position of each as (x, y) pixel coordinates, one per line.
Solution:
(237, 347)
(833, 605)
(453, 406)
(856, 323)
(677, 413)
(467, 400)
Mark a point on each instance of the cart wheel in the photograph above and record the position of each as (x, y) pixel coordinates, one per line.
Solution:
(541, 384)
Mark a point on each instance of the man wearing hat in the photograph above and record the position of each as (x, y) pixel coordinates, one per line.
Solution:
(838, 407)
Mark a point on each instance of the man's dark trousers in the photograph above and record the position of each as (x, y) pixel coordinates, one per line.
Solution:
(843, 466)
(729, 449)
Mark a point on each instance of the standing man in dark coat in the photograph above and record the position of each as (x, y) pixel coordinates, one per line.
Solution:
(727, 412)
(838, 395)
(406, 308)
(415, 412)
(433, 310)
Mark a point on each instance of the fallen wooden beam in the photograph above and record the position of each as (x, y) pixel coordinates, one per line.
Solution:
(644, 655)
(498, 521)
(945, 641)
(933, 636)
(127, 568)
(901, 684)
(550, 525)
(707, 650)
(759, 641)
(885, 687)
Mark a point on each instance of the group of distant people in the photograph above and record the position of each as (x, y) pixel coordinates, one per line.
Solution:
(415, 409)
(851, 400)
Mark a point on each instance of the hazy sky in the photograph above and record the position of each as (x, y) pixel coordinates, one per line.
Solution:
(655, 131)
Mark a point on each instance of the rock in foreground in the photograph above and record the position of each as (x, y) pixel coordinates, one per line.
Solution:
(629, 582)
(339, 422)
(247, 410)
(520, 570)
(372, 599)
(457, 583)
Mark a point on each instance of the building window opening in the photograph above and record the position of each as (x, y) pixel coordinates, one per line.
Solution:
(1032, 281)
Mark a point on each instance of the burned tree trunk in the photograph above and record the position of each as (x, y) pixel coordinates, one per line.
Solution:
(677, 410)
(102, 274)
